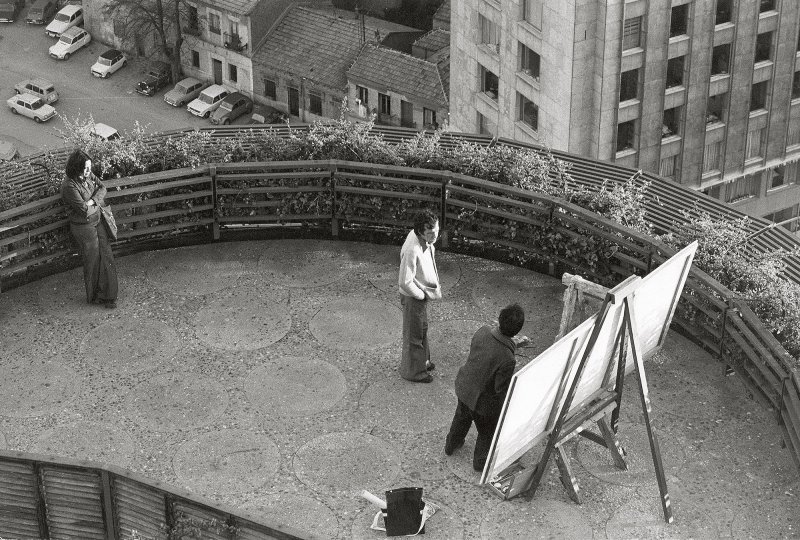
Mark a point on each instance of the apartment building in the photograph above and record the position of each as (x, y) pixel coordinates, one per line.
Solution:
(705, 92)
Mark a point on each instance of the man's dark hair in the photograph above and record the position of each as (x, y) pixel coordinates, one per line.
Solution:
(425, 219)
(512, 318)
(75, 164)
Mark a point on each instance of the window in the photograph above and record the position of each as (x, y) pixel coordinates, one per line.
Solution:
(714, 191)
(527, 111)
(743, 188)
(766, 5)
(489, 83)
(485, 126)
(716, 108)
(758, 96)
(763, 47)
(384, 104)
(720, 59)
(233, 73)
(784, 215)
(191, 18)
(629, 85)
(632, 33)
(195, 59)
(213, 23)
(626, 135)
(270, 90)
(671, 126)
(667, 167)
(363, 95)
(723, 11)
(234, 28)
(678, 22)
(315, 103)
(753, 147)
(777, 177)
(529, 62)
(794, 132)
(490, 33)
(796, 85)
(711, 156)
(429, 118)
(675, 72)
(532, 12)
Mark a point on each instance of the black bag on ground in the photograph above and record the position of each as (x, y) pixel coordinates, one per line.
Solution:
(403, 511)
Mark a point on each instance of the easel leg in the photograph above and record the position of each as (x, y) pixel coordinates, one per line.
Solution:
(616, 449)
(568, 480)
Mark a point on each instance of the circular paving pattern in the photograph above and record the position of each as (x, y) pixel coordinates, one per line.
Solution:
(174, 402)
(344, 463)
(641, 517)
(296, 511)
(449, 343)
(445, 524)
(539, 518)
(127, 346)
(294, 386)
(304, 264)
(19, 323)
(226, 462)
(413, 408)
(633, 437)
(33, 387)
(363, 323)
(193, 271)
(92, 441)
(243, 320)
(64, 295)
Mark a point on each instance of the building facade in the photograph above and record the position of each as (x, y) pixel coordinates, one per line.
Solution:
(705, 92)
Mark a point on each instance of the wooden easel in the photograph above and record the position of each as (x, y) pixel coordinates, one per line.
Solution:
(563, 426)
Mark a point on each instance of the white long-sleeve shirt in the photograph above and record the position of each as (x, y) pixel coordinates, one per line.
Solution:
(417, 267)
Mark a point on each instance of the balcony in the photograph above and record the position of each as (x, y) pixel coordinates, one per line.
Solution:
(233, 42)
(191, 30)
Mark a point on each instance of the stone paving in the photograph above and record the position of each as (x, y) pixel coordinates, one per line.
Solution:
(263, 375)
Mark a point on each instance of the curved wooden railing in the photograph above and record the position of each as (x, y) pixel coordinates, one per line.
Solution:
(46, 497)
(350, 200)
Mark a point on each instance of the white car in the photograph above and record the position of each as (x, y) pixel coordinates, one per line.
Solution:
(105, 132)
(208, 100)
(109, 62)
(70, 41)
(69, 16)
(38, 87)
(31, 106)
(184, 92)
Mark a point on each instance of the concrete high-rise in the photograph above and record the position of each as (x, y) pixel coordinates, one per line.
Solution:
(705, 92)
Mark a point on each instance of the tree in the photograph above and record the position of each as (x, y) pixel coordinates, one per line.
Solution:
(137, 19)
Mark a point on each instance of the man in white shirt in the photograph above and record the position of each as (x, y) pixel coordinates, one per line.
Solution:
(418, 282)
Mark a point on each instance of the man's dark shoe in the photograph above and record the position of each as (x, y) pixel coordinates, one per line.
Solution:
(427, 378)
(430, 366)
(450, 446)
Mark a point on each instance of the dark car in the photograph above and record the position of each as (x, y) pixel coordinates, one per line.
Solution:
(268, 115)
(158, 76)
(9, 10)
(41, 12)
(232, 107)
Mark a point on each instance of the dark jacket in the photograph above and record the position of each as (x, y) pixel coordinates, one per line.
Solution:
(76, 193)
(482, 382)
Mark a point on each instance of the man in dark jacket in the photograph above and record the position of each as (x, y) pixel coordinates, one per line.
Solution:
(482, 383)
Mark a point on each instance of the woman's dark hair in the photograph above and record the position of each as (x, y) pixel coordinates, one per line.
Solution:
(512, 318)
(425, 219)
(75, 164)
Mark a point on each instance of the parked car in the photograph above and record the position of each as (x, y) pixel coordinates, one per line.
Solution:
(232, 107)
(70, 41)
(109, 62)
(9, 9)
(105, 132)
(31, 106)
(158, 76)
(208, 100)
(67, 17)
(41, 12)
(268, 115)
(7, 151)
(40, 88)
(184, 92)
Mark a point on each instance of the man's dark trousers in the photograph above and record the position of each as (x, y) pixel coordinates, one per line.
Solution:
(462, 420)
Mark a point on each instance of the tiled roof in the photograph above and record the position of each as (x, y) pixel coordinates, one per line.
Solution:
(239, 7)
(434, 40)
(382, 68)
(315, 44)
(441, 19)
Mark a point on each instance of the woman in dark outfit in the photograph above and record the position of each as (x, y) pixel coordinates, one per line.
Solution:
(83, 194)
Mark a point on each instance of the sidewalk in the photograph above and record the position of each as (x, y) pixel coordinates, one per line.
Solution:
(263, 375)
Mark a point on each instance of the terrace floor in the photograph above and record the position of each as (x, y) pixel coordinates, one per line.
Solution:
(263, 375)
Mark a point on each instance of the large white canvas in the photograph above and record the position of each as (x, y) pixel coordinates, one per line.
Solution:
(534, 388)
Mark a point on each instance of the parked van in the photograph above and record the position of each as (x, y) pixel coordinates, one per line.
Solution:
(38, 87)
(41, 12)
